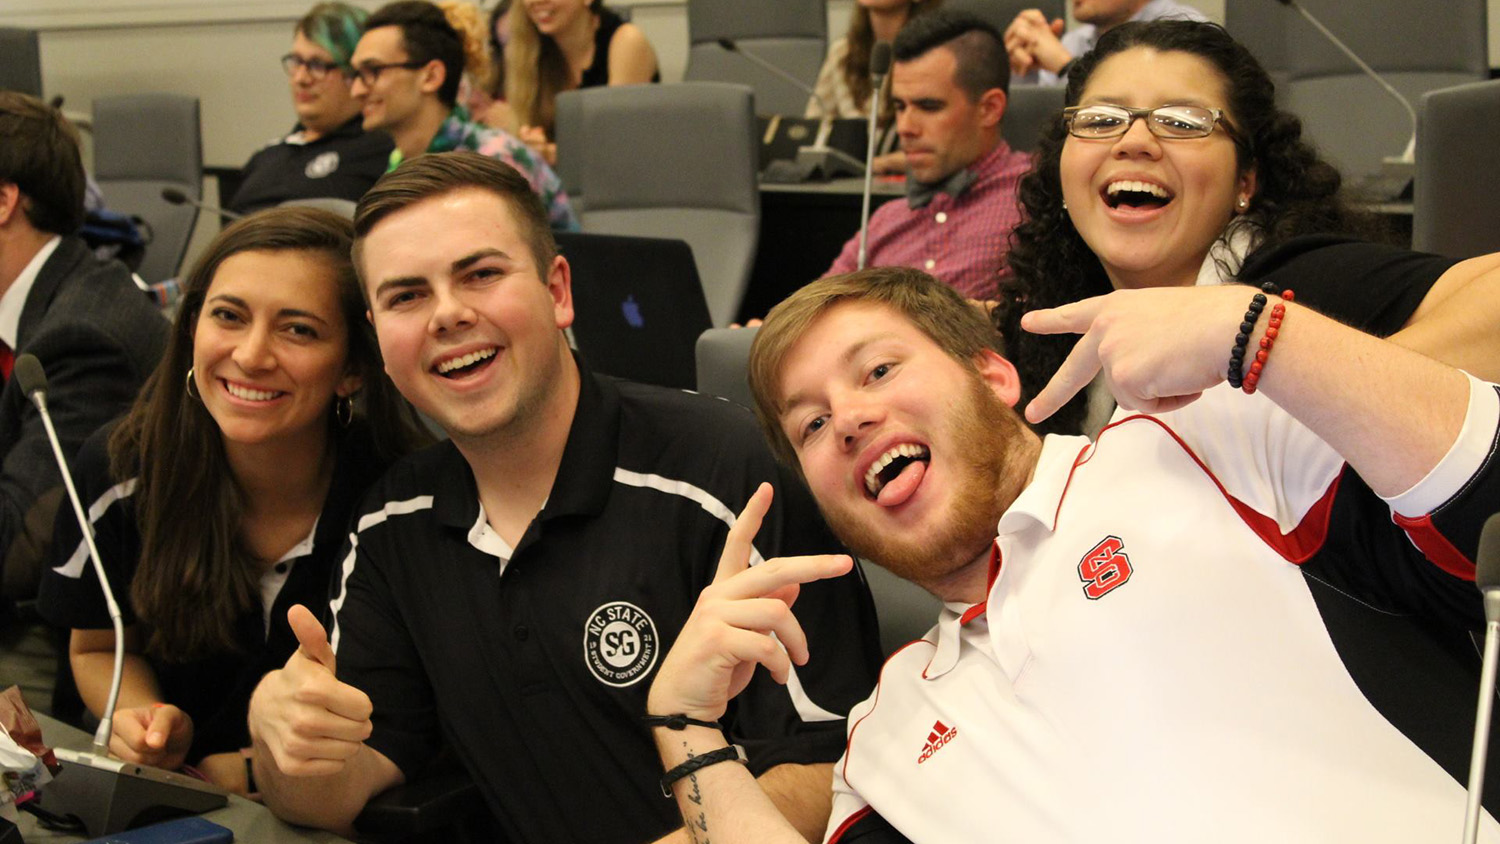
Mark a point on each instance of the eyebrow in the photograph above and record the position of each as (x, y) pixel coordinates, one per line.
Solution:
(282, 313)
(476, 256)
(410, 281)
(796, 399)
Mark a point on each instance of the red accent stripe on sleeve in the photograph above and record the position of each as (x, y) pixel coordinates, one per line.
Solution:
(851, 821)
(1296, 547)
(1438, 550)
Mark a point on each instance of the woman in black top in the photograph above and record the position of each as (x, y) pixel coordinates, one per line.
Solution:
(559, 45)
(223, 496)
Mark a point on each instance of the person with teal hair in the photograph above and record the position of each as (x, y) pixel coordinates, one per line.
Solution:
(328, 154)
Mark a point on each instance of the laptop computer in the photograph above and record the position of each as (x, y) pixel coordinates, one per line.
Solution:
(638, 306)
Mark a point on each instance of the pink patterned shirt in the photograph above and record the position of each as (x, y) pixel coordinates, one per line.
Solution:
(959, 240)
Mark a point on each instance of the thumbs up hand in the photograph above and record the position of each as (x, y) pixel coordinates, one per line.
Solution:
(311, 722)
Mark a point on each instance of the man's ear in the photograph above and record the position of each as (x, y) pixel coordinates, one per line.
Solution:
(434, 74)
(560, 288)
(1000, 375)
(992, 107)
(10, 202)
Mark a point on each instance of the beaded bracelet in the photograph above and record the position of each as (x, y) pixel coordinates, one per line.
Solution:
(1273, 327)
(1242, 339)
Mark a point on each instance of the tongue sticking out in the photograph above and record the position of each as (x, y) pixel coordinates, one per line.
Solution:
(900, 488)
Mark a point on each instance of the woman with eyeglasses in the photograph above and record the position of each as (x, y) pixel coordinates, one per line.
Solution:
(328, 153)
(223, 497)
(1173, 166)
(560, 45)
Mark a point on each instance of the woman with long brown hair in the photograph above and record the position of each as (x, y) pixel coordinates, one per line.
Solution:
(223, 496)
(560, 45)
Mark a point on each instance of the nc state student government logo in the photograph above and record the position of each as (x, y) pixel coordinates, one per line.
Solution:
(620, 643)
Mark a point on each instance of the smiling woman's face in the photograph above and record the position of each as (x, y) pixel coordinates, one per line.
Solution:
(1172, 198)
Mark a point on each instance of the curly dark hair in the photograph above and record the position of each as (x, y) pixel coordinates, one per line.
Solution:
(1297, 193)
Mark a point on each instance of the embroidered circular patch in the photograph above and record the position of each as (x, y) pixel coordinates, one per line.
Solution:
(620, 643)
(322, 166)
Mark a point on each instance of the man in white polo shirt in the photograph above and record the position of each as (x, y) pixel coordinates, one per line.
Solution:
(1233, 617)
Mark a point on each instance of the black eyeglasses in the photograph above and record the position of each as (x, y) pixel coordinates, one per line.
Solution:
(370, 71)
(316, 68)
(1098, 122)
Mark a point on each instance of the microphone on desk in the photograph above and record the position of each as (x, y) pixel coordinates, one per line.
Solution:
(1409, 155)
(177, 197)
(106, 795)
(1487, 578)
(819, 156)
(880, 65)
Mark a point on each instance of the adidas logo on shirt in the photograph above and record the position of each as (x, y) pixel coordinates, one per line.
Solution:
(941, 734)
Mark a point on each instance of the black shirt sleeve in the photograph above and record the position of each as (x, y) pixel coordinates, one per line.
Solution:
(838, 617)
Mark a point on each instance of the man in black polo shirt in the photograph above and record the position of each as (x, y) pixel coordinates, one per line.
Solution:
(511, 592)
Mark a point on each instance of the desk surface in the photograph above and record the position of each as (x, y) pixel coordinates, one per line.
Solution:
(250, 821)
(849, 186)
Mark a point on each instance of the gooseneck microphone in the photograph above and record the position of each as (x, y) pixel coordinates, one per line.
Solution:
(106, 795)
(1409, 155)
(1487, 578)
(880, 65)
(829, 109)
(33, 381)
(818, 157)
(177, 197)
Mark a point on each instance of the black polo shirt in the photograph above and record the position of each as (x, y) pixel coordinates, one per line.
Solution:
(342, 165)
(213, 690)
(535, 672)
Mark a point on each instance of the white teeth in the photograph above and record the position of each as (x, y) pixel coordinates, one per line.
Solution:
(248, 394)
(465, 360)
(872, 474)
(1137, 187)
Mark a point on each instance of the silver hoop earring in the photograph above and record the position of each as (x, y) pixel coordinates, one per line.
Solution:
(191, 385)
(343, 410)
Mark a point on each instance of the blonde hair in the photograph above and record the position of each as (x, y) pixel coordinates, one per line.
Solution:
(468, 22)
(535, 70)
(934, 308)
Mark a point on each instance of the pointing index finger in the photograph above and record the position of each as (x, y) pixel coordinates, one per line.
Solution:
(1072, 318)
(736, 556)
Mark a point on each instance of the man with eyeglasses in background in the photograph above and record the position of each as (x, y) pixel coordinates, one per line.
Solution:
(328, 153)
(407, 70)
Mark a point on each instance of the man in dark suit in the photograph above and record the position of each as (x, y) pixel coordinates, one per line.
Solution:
(94, 331)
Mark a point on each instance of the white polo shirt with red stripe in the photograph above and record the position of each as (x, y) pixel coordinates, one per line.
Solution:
(1171, 645)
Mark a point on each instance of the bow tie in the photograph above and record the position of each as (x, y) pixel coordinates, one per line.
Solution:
(919, 194)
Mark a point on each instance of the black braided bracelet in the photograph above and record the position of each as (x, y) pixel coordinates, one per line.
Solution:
(678, 721)
(1236, 371)
(724, 754)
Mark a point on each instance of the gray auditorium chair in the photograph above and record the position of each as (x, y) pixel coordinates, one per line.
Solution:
(332, 204)
(905, 610)
(142, 144)
(1457, 199)
(722, 354)
(20, 61)
(1261, 26)
(674, 161)
(1417, 47)
(568, 133)
(790, 34)
(1028, 110)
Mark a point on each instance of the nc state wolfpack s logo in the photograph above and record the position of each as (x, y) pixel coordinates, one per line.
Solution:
(1104, 568)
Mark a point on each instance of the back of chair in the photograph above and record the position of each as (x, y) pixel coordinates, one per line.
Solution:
(142, 144)
(1028, 110)
(1261, 26)
(20, 61)
(1417, 47)
(675, 161)
(723, 357)
(790, 34)
(1457, 198)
